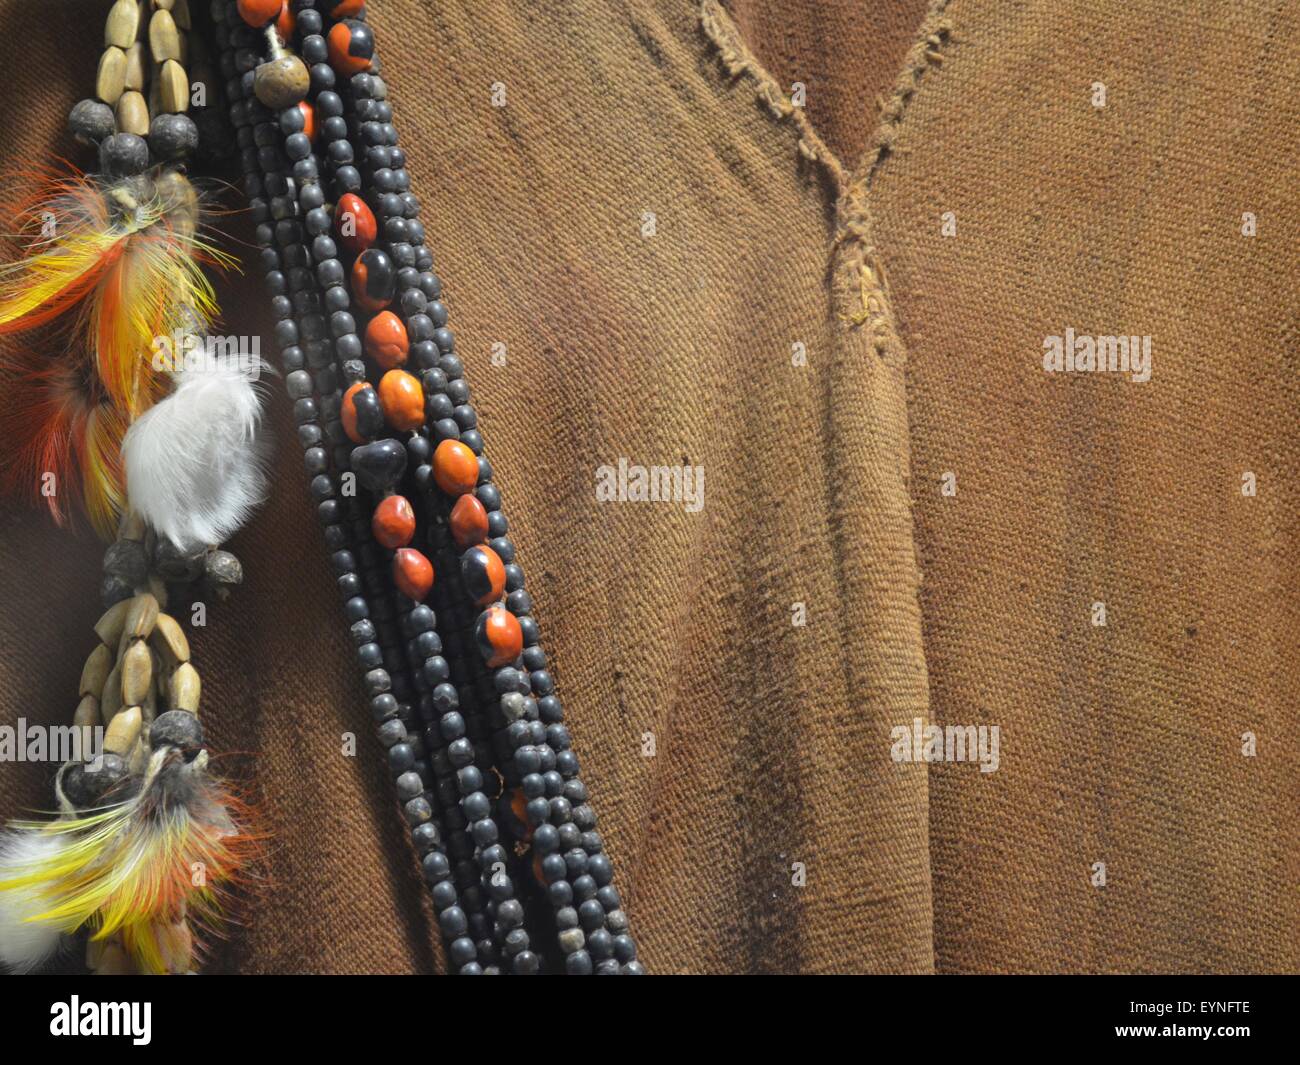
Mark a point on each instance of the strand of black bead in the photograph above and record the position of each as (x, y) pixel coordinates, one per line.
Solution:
(450, 751)
(292, 287)
(461, 754)
(536, 748)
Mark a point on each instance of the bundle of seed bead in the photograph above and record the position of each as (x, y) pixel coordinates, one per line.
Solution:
(484, 713)
(162, 454)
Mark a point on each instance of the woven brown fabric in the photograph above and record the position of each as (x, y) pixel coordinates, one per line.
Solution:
(1119, 744)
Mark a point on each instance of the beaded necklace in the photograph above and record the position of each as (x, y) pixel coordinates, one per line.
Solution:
(458, 686)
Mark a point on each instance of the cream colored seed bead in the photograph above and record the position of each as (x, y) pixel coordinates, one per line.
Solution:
(137, 673)
(124, 730)
(150, 704)
(169, 640)
(174, 87)
(87, 711)
(132, 113)
(164, 38)
(95, 671)
(123, 24)
(135, 68)
(110, 79)
(142, 615)
(185, 689)
(109, 627)
(110, 699)
(164, 5)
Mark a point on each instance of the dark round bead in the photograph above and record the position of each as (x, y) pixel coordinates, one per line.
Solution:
(176, 728)
(91, 121)
(379, 465)
(85, 784)
(123, 155)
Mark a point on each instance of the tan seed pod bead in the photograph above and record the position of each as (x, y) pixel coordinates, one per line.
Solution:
(138, 760)
(87, 712)
(169, 640)
(109, 627)
(181, 13)
(135, 79)
(174, 88)
(124, 730)
(164, 5)
(110, 79)
(164, 38)
(123, 24)
(95, 671)
(142, 615)
(110, 699)
(137, 673)
(132, 113)
(185, 689)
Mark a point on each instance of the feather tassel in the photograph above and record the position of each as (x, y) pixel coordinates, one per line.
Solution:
(132, 871)
(194, 465)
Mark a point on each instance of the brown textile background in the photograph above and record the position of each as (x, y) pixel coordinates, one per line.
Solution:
(1119, 744)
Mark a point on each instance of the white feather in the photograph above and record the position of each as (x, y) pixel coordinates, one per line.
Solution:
(194, 467)
(25, 944)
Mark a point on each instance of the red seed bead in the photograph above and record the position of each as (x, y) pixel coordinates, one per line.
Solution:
(386, 341)
(285, 23)
(500, 640)
(348, 412)
(355, 223)
(308, 119)
(346, 8)
(402, 399)
(413, 573)
(455, 468)
(393, 522)
(257, 13)
(469, 521)
(484, 574)
(351, 46)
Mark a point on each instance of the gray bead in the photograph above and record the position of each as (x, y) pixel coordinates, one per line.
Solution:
(91, 121)
(173, 564)
(176, 728)
(513, 706)
(127, 559)
(113, 590)
(84, 785)
(123, 154)
(409, 786)
(417, 811)
(173, 136)
(223, 568)
(572, 939)
(616, 921)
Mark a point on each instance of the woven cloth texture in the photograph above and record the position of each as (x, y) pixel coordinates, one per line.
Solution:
(683, 268)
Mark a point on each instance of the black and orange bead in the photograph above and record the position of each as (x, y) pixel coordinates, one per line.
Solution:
(484, 574)
(498, 635)
(351, 47)
(374, 279)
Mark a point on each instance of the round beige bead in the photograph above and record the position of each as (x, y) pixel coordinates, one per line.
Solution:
(281, 83)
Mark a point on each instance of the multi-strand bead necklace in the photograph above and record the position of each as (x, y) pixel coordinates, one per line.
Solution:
(457, 680)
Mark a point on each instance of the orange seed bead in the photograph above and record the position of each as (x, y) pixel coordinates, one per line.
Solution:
(469, 521)
(257, 13)
(402, 398)
(455, 468)
(386, 340)
(412, 573)
(393, 522)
